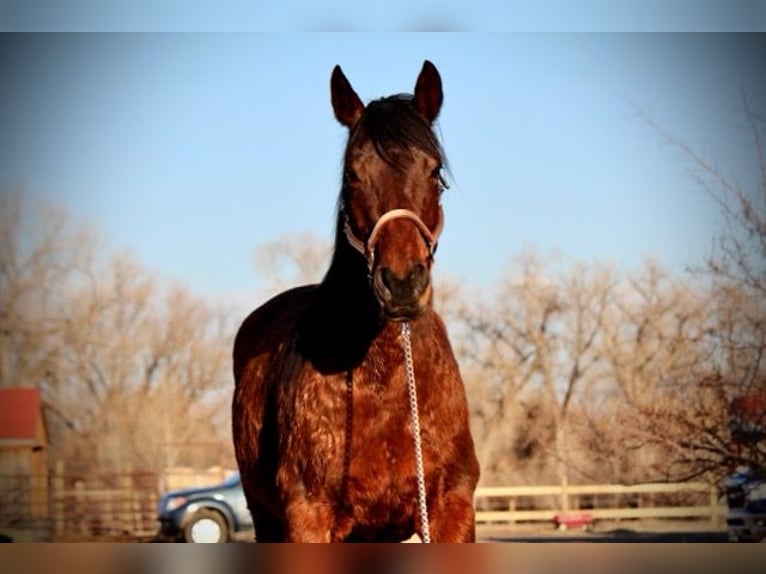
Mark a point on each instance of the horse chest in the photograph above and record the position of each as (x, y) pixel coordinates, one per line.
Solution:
(382, 433)
(358, 437)
(381, 485)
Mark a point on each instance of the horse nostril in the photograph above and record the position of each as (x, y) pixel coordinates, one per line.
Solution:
(419, 277)
(385, 280)
(410, 286)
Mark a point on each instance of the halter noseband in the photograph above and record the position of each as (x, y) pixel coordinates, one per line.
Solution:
(367, 249)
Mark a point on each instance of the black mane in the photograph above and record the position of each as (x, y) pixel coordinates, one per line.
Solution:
(393, 124)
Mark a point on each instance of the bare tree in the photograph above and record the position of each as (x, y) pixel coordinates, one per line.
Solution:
(735, 332)
(143, 367)
(41, 252)
(292, 260)
(127, 364)
(653, 351)
(536, 349)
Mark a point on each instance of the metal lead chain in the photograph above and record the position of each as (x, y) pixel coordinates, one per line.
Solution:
(413, 393)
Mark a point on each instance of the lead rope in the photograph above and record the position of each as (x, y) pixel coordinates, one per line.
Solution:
(413, 393)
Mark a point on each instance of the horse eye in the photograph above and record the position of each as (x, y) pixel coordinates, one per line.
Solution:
(350, 176)
(439, 177)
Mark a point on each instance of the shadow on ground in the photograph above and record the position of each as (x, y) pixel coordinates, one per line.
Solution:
(620, 535)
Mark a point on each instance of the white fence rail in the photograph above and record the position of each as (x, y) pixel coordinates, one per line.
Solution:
(513, 504)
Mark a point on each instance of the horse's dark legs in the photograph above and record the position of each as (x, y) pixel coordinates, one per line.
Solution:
(267, 527)
(309, 521)
(454, 519)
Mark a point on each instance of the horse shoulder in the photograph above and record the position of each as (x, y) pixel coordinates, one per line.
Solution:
(258, 345)
(268, 326)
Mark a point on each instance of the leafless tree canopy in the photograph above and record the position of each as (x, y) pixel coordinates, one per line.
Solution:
(575, 371)
(292, 260)
(129, 367)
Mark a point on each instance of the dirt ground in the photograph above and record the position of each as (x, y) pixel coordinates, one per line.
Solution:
(607, 531)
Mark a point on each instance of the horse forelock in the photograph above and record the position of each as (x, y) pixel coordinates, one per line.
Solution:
(394, 127)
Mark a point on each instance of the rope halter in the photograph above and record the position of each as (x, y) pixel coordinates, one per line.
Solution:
(367, 248)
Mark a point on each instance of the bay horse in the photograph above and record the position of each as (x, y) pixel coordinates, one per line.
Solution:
(321, 425)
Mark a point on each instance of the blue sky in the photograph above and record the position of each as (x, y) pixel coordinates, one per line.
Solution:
(392, 15)
(191, 149)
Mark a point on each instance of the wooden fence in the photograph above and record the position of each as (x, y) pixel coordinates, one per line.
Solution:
(124, 506)
(528, 504)
(24, 507)
(67, 506)
(116, 506)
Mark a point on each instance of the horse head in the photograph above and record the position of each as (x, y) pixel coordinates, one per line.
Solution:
(392, 183)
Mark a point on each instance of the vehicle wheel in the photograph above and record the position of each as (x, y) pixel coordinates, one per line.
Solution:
(206, 526)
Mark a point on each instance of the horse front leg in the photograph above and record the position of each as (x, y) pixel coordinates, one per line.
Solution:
(309, 521)
(454, 519)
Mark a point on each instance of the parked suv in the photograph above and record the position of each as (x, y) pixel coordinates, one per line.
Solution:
(210, 514)
(746, 501)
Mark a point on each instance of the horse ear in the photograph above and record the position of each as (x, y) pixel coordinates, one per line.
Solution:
(428, 92)
(345, 103)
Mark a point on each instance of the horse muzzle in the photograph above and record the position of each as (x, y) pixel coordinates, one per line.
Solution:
(402, 297)
(405, 293)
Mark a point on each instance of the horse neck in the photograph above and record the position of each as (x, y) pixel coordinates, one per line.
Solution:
(346, 290)
(343, 320)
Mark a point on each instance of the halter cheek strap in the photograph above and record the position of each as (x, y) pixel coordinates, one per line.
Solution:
(367, 249)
